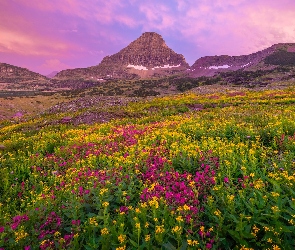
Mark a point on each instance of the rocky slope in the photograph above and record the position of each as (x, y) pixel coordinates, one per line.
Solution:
(268, 59)
(12, 74)
(146, 57)
(17, 78)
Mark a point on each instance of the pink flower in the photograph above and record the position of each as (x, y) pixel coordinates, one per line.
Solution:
(76, 222)
(27, 248)
(1, 230)
(226, 180)
(208, 245)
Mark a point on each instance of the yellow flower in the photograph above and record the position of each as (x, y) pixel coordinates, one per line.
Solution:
(269, 240)
(154, 202)
(43, 242)
(92, 221)
(252, 175)
(231, 197)
(186, 207)
(147, 237)
(192, 242)
(137, 225)
(255, 229)
(176, 229)
(121, 238)
(179, 218)
(192, 183)
(217, 212)
(103, 190)
(104, 231)
(160, 229)
(275, 247)
(105, 204)
(121, 248)
(146, 225)
(245, 248)
(274, 194)
(57, 234)
(20, 235)
(258, 184)
(275, 209)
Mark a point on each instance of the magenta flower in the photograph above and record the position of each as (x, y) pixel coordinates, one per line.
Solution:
(226, 180)
(208, 246)
(1, 230)
(76, 222)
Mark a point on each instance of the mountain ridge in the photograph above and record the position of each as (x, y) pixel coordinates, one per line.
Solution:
(149, 57)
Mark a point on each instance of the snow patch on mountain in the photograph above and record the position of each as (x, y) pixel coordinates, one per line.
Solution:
(139, 67)
(219, 67)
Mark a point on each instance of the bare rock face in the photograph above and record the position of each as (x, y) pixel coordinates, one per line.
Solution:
(278, 54)
(146, 57)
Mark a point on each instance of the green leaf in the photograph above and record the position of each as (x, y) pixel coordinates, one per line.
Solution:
(169, 246)
(184, 245)
(133, 243)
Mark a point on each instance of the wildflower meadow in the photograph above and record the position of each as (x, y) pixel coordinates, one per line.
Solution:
(179, 172)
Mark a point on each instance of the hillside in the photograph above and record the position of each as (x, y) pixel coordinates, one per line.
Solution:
(185, 171)
(13, 77)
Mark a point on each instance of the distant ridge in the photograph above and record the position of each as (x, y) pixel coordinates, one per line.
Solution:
(277, 55)
(52, 74)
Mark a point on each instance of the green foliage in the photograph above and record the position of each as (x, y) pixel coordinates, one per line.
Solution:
(281, 57)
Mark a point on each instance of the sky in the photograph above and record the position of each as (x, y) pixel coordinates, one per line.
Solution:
(52, 35)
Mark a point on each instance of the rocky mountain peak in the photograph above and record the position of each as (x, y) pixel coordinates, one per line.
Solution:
(147, 42)
(146, 57)
(147, 52)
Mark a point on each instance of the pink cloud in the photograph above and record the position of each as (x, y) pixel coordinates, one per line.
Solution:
(75, 33)
(222, 27)
(53, 65)
(22, 43)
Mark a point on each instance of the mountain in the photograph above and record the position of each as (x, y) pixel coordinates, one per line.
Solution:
(146, 57)
(268, 59)
(52, 74)
(13, 74)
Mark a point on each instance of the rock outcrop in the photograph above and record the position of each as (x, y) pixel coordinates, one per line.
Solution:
(146, 57)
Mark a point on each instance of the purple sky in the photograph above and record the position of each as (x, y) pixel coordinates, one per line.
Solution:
(49, 35)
